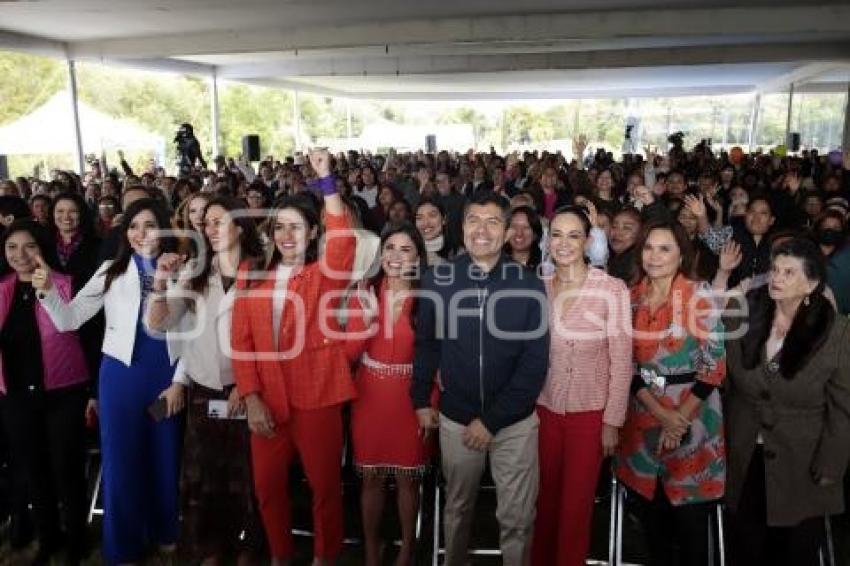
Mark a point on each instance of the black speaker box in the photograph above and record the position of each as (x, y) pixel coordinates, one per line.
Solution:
(431, 143)
(795, 142)
(251, 147)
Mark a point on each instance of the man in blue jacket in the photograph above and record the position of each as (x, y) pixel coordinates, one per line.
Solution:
(482, 322)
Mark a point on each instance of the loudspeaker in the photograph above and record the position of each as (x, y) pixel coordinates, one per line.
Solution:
(251, 147)
(794, 142)
(4, 168)
(431, 143)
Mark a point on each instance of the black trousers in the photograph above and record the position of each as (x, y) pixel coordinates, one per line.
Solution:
(675, 534)
(46, 436)
(753, 543)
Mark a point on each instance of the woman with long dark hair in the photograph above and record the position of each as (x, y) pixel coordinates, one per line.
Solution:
(526, 234)
(430, 217)
(583, 403)
(382, 341)
(220, 518)
(625, 230)
(139, 440)
(78, 246)
(291, 372)
(189, 218)
(672, 451)
(788, 412)
(44, 385)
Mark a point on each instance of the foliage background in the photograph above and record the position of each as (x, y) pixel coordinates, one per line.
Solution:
(161, 101)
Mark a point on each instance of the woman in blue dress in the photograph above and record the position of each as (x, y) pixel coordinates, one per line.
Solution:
(140, 447)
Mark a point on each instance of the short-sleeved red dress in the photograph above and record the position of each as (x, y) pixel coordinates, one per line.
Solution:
(384, 428)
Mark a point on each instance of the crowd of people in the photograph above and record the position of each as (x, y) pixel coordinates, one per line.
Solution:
(684, 314)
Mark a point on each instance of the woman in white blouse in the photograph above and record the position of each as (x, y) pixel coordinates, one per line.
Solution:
(220, 520)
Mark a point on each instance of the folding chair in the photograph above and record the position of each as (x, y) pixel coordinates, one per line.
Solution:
(94, 501)
(438, 549)
(718, 518)
(826, 553)
(419, 518)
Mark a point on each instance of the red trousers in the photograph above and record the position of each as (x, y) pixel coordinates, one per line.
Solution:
(316, 436)
(570, 458)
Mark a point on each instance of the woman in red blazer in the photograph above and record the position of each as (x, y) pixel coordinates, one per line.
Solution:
(290, 366)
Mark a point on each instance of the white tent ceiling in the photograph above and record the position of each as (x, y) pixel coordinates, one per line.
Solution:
(467, 49)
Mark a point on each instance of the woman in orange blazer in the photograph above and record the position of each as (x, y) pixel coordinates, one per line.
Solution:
(290, 366)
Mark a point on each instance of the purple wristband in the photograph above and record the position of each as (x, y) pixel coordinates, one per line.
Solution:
(325, 185)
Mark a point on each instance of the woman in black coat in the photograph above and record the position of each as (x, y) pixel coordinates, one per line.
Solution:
(78, 245)
(787, 413)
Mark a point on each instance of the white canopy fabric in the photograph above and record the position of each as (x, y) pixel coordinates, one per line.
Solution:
(450, 50)
(50, 129)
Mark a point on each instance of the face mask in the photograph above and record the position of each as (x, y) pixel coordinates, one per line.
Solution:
(830, 237)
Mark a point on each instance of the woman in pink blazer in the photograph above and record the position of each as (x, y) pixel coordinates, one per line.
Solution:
(43, 393)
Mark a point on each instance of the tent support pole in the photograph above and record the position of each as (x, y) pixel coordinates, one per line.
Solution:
(754, 123)
(349, 129)
(787, 141)
(75, 109)
(296, 119)
(845, 138)
(214, 116)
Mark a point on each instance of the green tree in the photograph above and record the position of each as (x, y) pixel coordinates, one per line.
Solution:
(28, 82)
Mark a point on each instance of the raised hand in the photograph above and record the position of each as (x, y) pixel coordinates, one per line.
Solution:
(696, 205)
(592, 213)
(793, 181)
(41, 275)
(644, 195)
(579, 145)
(166, 266)
(714, 204)
(730, 256)
(423, 176)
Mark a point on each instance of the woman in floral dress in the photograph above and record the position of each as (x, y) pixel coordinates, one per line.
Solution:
(672, 453)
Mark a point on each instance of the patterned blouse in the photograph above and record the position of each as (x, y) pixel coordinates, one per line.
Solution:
(684, 335)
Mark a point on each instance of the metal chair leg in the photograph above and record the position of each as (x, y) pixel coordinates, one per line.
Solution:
(418, 528)
(436, 546)
(93, 508)
(612, 522)
(710, 526)
(721, 541)
(418, 531)
(618, 543)
(830, 544)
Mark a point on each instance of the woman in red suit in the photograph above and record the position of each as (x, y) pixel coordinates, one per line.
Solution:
(385, 432)
(290, 366)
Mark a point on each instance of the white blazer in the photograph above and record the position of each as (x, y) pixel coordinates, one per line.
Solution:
(202, 334)
(120, 306)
